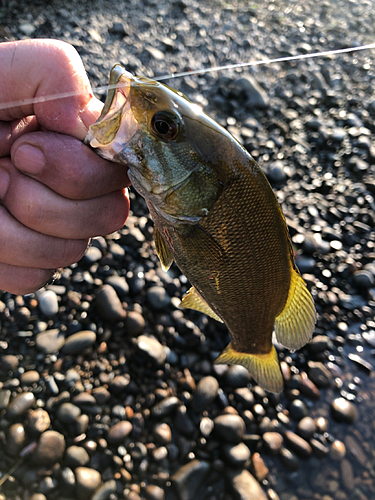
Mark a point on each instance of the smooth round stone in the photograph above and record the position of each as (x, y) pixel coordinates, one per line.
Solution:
(237, 455)
(109, 305)
(119, 383)
(134, 323)
(68, 413)
(347, 475)
(162, 433)
(319, 449)
(306, 427)
(101, 395)
(120, 285)
(319, 374)
(8, 363)
(84, 399)
(38, 496)
(105, 491)
(273, 442)
(321, 425)
(50, 449)
(20, 405)
(338, 450)
(260, 469)
(244, 485)
(289, 459)
(92, 255)
(153, 492)
(68, 481)
(237, 376)
(188, 477)
(245, 396)
(116, 250)
(276, 172)
(151, 349)
(139, 451)
(319, 343)
(48, 303)
(30, 377)
(87, 481)
(158, 297)
(38, 421)
(15, 439)
(230, 427)
(50, 341)
(298, 444)
(297, 409)
(205, 393)
(78, 342)
(165, 406)
(118, 432)
(4, 398)
(343, 411)
(364, 279)
(76, 456)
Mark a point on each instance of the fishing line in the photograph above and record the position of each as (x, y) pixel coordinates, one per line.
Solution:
(262, 62)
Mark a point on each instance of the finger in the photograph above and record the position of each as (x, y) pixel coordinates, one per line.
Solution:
(21, 246)
(37, 68)
(22, 280)
(67, 166)
(41, 209)
(10, 131)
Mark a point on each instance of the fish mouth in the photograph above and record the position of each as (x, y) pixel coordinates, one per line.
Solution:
(116, 124)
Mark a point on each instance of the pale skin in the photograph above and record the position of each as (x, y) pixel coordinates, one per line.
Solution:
(56, 197)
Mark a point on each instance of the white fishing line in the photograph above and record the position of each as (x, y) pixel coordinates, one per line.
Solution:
(64, 95)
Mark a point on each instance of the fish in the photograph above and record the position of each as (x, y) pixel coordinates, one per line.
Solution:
(215, 215)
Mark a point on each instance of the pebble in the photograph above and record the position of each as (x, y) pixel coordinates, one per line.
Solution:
(38, 421)
(50, 341)
(79, 342)
(158, 297)
(347, 475)
(153, 492)
(297, 409)
(15, 439)
(48, 303)
(298, 444)
(162, 433)
(87, 481)
(8, 363)
(134, 323)
(254, 95)
(237, 455)
(76, 456)
(151, 349)
(364, 279)
(118, 432)
(119, 284)
(273, 442)
(50, 449)
(105, 491)
(230, 427)
(189, 477)
(319, 449)
(276, 172)
(92, 255)
(319, 374)
(109, 305)
(20, 405)
(30, 377)
(4, 398)
(68, 413)
(259, 467)
(164, 407)
(289, 459)
(245, 486)
(343, 411)
(119, 383)
(306, 428)
(205, 393)
(237, 376)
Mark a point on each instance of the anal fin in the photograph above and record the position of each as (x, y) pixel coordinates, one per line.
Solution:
(193, 300)
(295, 325)
(264, 368)
(164, 254)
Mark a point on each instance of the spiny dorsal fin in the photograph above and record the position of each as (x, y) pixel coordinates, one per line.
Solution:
(295, 325)
(193, 300)
(264, 368)
(162, 250)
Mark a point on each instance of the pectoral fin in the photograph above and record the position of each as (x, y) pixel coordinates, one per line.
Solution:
(264, 368)
(162, 250)
(193, 300)
(294, 326)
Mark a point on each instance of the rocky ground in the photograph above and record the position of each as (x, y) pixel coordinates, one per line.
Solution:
(107, 389)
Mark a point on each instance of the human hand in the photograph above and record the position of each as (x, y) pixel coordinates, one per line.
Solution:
(55, 193)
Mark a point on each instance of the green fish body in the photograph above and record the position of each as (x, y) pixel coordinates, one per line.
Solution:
(215, 215)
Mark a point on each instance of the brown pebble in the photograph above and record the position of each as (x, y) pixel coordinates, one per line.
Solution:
(50, 449)
(338, 450)
(118, 432)
(87, 481)
(347, 475)
(162, 433)
(30, 377)
(15, 439)
(259, 467)
(38, 421)
(273, 442)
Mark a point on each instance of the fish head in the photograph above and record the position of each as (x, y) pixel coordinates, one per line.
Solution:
(166, 142)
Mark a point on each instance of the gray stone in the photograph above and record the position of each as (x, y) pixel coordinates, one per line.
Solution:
(306, 427)
(188, 479)
(8, 363)
(38, 421)
(78, 342)
(48, 302)
(319, 374)
(87, 481)
(158, 297)
(134, 323)
(120, 285)
(237, 376)
(119, 432)
(105, 491)
(76, 456)
(253, 93)
(245, 486)
(119, 383)
(298, 444)
(109, 305)
(165, 406)
(68, 413)
(364, 279)
(4, 398)
(153, 492)
(237, 455)
(50, 341)
(151, 349)
(15, 439)
(289, 459)
(273, 442)
(50, 449)
(20, 405)
(230, 427)
(343, 411)
(162, 433)
(205, 393)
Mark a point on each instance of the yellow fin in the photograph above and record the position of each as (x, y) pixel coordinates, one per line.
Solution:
(264, 368)
(193, 300)
(162, 250)
(295, 325)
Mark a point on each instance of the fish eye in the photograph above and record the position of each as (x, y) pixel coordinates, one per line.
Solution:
(165, 125)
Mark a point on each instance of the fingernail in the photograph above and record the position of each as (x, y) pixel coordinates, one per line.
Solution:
(4, 182)
(29, 159)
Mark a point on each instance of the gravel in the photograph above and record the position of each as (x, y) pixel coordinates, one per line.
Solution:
(107, 389)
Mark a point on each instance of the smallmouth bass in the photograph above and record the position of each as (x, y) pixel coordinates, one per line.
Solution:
(215, 215)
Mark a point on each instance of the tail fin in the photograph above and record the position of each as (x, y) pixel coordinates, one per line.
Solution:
(294, 326)
(264, 368)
